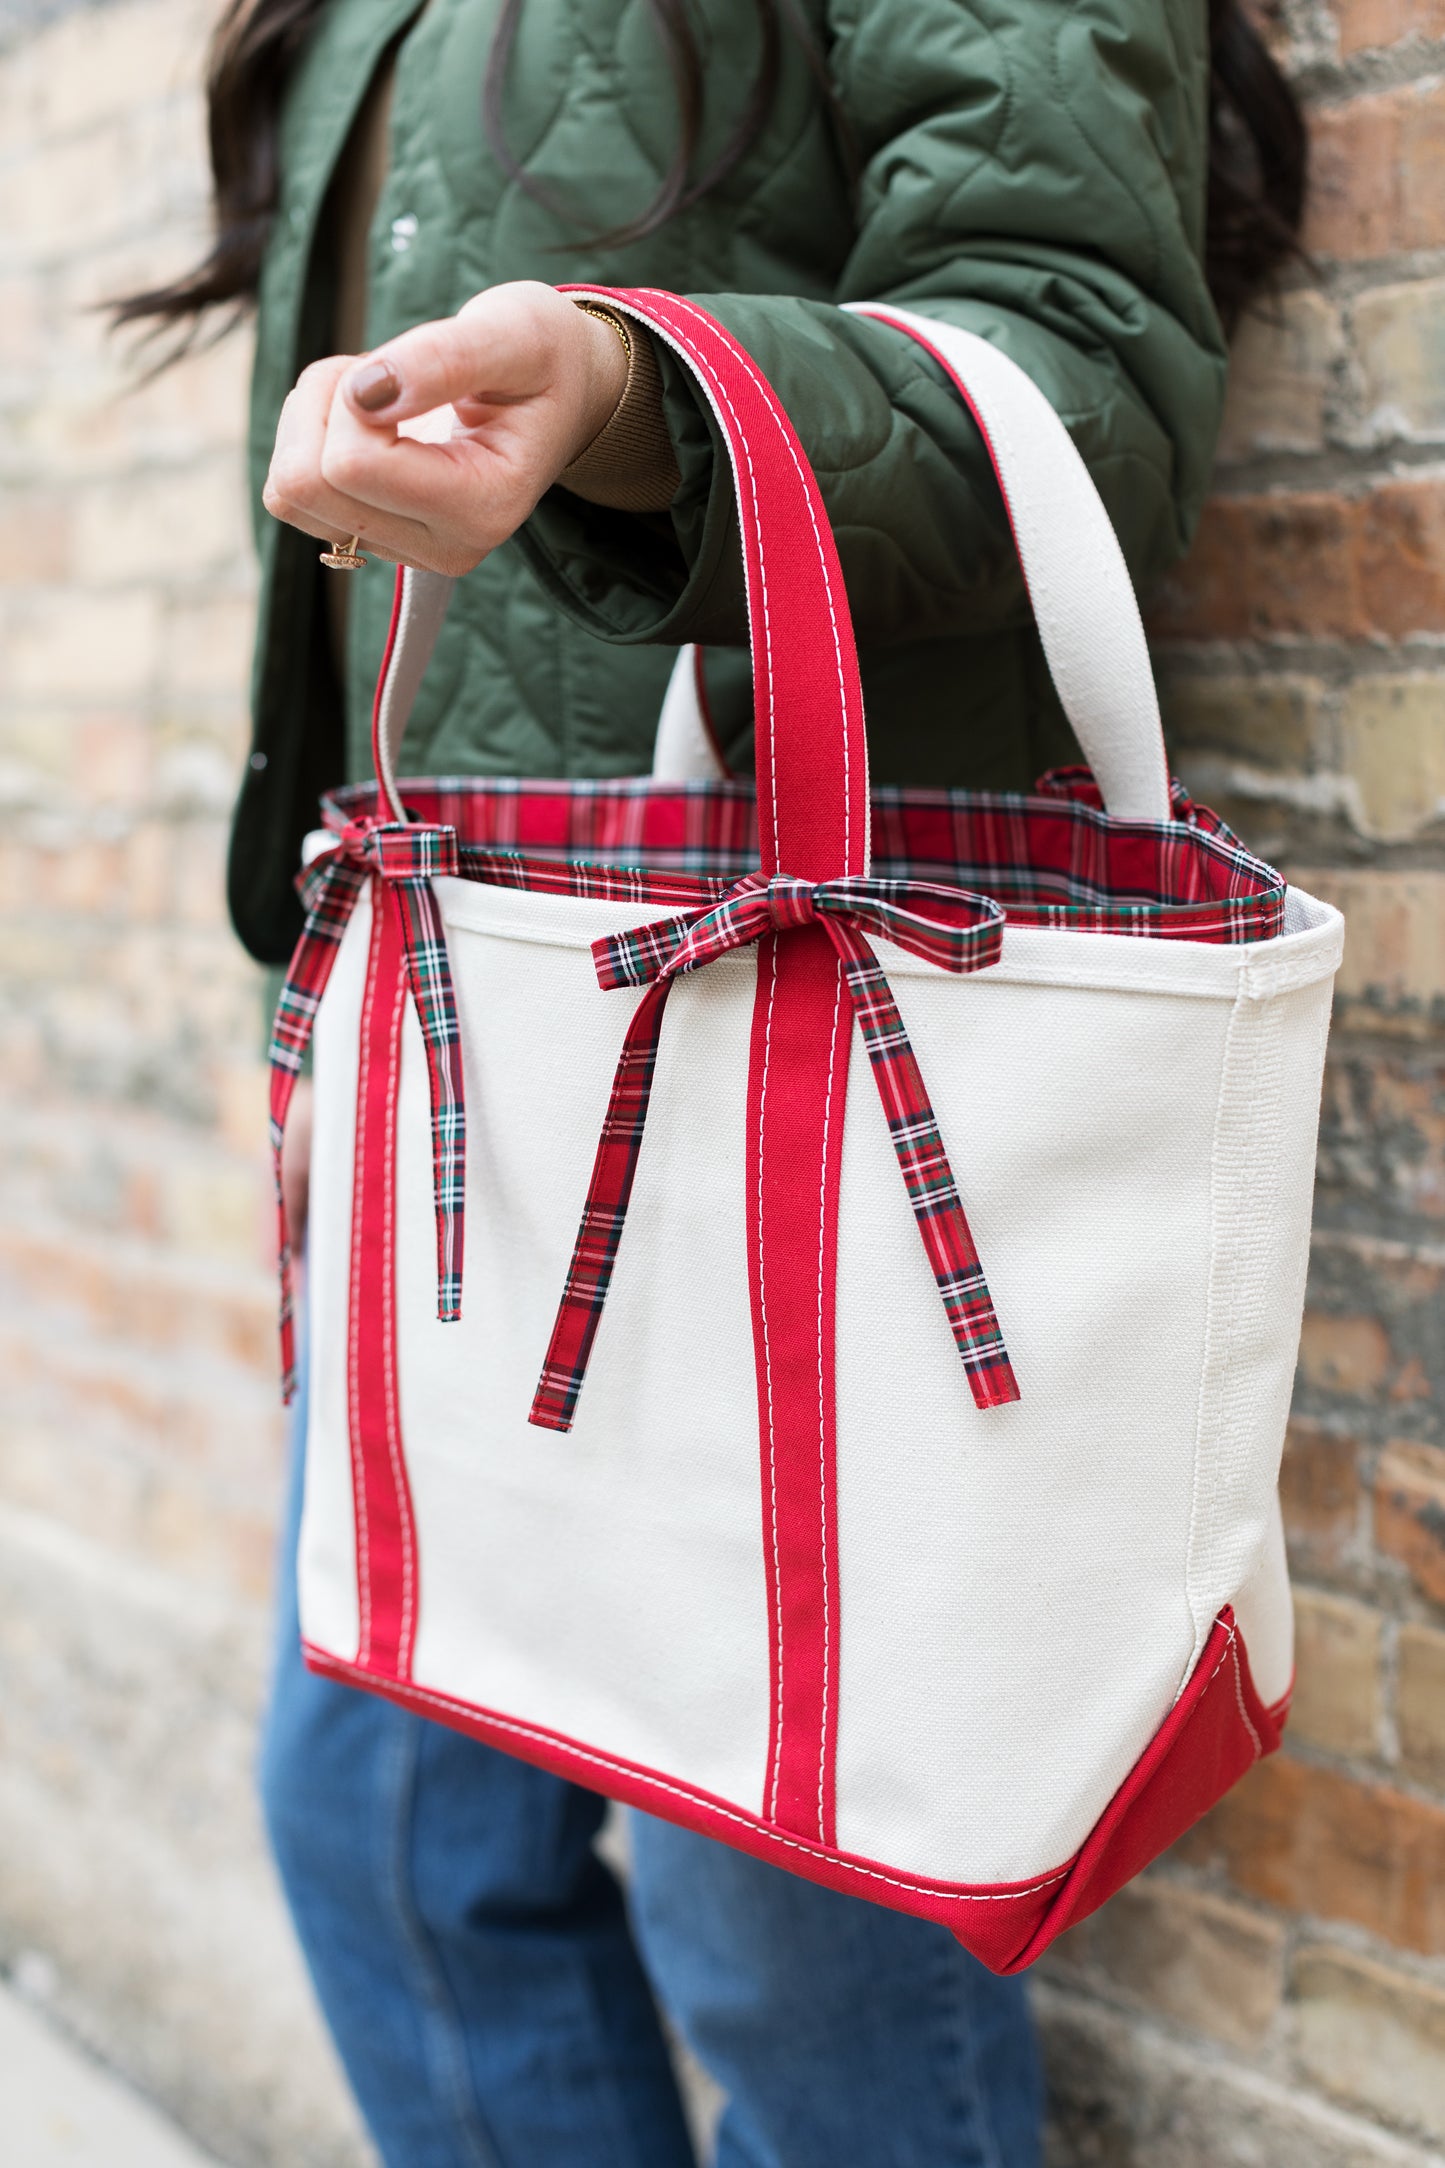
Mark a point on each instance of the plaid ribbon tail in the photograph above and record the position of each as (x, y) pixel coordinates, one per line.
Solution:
(959, 931)
(429, 974)
(330, 888)
(603, 1215)
(932, 1191)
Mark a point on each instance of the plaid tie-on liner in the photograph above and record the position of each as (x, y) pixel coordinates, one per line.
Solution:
(405, 859)
(1050, 859)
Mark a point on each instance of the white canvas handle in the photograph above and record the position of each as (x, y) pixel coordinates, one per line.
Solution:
(1079, 585)
(685, 750)
(419, 606)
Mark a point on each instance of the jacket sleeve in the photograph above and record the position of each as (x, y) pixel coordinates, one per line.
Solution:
(1031, 171)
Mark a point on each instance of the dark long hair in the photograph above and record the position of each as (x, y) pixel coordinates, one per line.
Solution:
(1257, 145)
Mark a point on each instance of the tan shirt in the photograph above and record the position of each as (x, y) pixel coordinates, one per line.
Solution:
(629, 465)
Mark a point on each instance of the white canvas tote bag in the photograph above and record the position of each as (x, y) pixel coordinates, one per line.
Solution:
(883, 1479)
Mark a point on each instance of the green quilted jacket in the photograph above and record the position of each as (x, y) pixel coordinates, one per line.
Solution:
(1030, 169)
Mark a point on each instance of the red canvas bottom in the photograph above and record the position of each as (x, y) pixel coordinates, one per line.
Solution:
(1212, 1735)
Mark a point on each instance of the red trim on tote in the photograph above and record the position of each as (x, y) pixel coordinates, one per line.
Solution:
(1215, 1730)
(812, 771)
(797, 1089)
(385, 1525)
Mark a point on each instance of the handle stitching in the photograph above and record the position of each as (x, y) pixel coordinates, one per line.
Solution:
(768, 1386)
(769, 398)
(822, 1414)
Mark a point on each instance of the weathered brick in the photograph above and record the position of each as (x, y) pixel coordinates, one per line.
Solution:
(1317, 1840)
(1337, 1673)
(119, 178)
(206, 651)
(128, 1291)
(100, 64)
(1403, 1285)
(1394, 963)
(109, 421)
(1202, 1960)
(1382, 1127)
(1366, 23)
(1270, 722)
(1398, 533)
(99, 647)
(35, 536)
(143, 881)
(1263, 566)
(113, 752)
(157, 1508)
(1399, 346)
(1347, 1355)
(184, 526)
(1392, 737)
(1377, 182)
(1371, 2035)
(1320, 1495)
(1420, 1704)
(1123, 2094)
(1410, 1513)
(1281, 362)
(1313, 564)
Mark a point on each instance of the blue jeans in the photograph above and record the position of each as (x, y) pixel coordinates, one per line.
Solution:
(491, 1990)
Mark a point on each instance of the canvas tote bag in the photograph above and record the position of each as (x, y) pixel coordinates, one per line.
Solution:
(852, 1430)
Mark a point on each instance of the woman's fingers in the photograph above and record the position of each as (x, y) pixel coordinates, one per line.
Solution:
(501, 348)
(468, 493)
(298, 491)
(517, 348)
(533, 378)
(300, 435)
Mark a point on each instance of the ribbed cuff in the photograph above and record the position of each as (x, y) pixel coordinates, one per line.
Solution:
(630, 465)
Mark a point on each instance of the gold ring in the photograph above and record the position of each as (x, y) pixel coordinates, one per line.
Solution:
(342, 556)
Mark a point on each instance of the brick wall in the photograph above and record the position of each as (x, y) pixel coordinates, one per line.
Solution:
(1272, 1994)
(1283, 1973)
(140, 1445)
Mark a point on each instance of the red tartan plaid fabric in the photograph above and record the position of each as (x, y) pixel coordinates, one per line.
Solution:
(927, 1176)
(1052, 858)
(403, 858)
(949, 927)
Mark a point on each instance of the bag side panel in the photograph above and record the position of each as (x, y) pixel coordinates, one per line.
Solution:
(1261, 1193)
(1215, 1732)
(1012, 1584)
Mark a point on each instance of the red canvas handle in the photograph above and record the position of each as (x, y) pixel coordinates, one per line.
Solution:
(812, 755)
(811, 751)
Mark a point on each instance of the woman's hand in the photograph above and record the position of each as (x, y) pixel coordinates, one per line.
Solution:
(531, 379)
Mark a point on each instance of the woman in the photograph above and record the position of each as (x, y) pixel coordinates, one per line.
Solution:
(393, 181)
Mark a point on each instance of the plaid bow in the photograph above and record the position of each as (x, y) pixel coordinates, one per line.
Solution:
(949, 927)
(403, 856)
